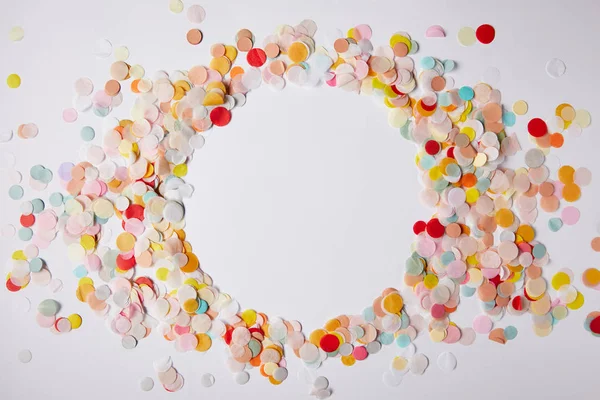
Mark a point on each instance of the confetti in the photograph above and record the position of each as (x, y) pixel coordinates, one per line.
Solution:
(485, 34)
(103, 48)
(25, 356)
(5, 135)
(146, 384)
(481, 242)
(591, 278)
(435, 31)
(466, 36)
(555, 68)
(13, 81)
(446, 361)
(194, 36)
(592, 323)
(195, 14)
(176, 6)
(121, 53)
(207, 380)
(520, 107)
(167, 375)
(16, 34)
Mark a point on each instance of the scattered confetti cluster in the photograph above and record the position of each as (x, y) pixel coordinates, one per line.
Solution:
(168, 376)
(479, 242)
(484, 34)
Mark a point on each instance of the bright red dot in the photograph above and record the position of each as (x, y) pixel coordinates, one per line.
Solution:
(432, 147)
(419, 227)
(595, 325)
(450, 152)
(256, 57)
(220, 116)
(435, 229)
(27, 220)
(485, 34)
(329, 343)
(537, 127)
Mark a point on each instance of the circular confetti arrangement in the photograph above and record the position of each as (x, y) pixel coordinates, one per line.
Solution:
(481, 242)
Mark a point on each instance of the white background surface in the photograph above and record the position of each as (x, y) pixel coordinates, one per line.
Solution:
(304, 204)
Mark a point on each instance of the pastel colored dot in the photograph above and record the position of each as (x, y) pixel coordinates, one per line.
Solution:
(16, 192)
(13, 81)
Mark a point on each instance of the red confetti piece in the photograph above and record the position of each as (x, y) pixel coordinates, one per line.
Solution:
(11, 286)
(517, 303)
(27, 220)
(435, 229)
(227, 336)
(432, 147)
(419, 227)
(450, 152)
(220, 116)
(134, 211)
(537, 127)
(256, 57)
(595, 325)
(329, 343)
(125, 264)
(485, 34)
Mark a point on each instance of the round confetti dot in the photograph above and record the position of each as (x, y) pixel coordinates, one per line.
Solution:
(570, 215)
(220, 116)
(194, 36)
(256, 57)
(482, 324)
(25, 356)
(418, 364)
(176, 6)
(520, 107)
(121, 53)
(88, 133)
(447, 362)
(591, 277)
(321, 383)
(207, 380)
(467, 36)
(69, 115)
(537, 127)
(466, 93)
(5, 135)
(195, 14)
(75, 320)
(510, 332)
(16, 192)
(129, 342)
(16, 34)
(555, 68)
(146, 384)
(241, 378)
(485, 34)
(102, 48)
(13, 81)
